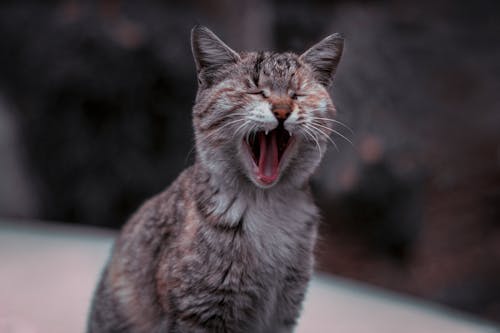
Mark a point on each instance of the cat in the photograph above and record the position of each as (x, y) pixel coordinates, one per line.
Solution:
(228, 247)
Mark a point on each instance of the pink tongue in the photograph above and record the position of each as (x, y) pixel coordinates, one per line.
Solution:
(268, 161)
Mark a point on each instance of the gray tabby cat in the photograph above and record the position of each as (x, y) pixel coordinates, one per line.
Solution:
(228, 247)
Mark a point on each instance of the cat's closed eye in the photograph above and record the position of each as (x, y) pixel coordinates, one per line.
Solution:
(295, 95)
(264, 93)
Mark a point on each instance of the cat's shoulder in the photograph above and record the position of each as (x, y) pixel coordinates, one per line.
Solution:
(156, 217)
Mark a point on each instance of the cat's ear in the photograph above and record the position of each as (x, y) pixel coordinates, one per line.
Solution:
(210, 54)
(324, 57)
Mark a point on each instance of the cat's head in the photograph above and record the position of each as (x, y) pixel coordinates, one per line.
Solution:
(262, 116)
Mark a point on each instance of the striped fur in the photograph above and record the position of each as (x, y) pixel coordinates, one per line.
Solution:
(217, 251)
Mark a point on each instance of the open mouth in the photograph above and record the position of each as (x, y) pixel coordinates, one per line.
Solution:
(267, 151)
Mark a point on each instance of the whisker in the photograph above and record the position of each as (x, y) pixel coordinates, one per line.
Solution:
(335, 121)
(191, 151)
(343, 136)
(315, 139)
(218, 130)
(334, 131)
(253, 135)
(253, 130)
(247, 136)
(232, 115)
(312, 127)
(241, 127)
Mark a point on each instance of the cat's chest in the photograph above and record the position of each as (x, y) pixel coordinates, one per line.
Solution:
(274, 236)
(243, 266)
(272, 224)
(265, 236)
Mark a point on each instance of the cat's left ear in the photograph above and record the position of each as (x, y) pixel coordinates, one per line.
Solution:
(324, 57)
(210, 54)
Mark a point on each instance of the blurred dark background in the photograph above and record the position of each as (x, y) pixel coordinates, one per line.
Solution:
(95, 100)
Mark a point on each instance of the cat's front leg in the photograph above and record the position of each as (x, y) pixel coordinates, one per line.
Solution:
(290, 300)
(185, 327)
(189, 326)
(280, 328)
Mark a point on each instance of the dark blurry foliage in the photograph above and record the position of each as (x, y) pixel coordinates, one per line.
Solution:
(101, 92)
(383, 209)
(105, 121)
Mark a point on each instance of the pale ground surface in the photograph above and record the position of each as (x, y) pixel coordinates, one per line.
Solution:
(48, 272)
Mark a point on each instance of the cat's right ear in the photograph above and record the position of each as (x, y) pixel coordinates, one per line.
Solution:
(324, 57)
(210, 54)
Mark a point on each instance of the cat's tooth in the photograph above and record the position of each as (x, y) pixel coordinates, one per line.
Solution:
(267, 132)
(290, 132)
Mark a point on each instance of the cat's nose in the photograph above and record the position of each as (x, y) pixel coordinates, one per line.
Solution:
(281, 111)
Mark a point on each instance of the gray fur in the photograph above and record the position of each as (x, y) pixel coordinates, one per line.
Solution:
(210, 53)
(218, 251)
(324, 57)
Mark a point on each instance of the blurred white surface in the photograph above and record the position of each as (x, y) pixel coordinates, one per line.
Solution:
(48, 273)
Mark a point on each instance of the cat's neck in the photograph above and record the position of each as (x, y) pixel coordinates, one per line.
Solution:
(227, 200)
(238, 184)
